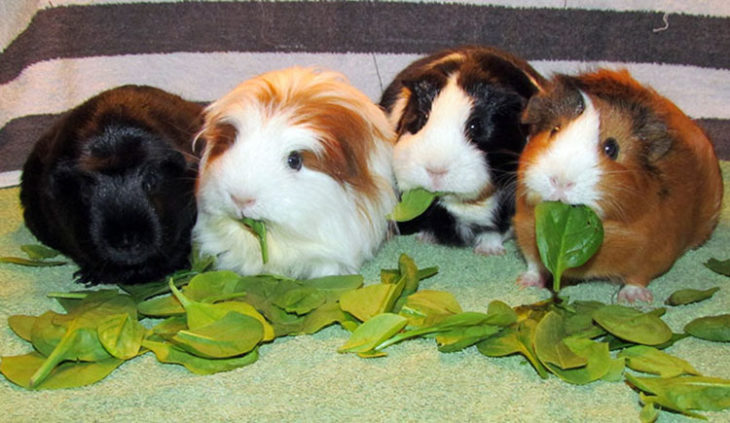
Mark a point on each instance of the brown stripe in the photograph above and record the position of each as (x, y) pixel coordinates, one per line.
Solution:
(391, 27)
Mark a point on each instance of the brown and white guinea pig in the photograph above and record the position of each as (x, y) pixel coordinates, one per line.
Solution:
(457, 117)
(649, 172)
(111, 185)
(307, 154)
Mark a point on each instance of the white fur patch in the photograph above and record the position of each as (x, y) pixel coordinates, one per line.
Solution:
(568, 170)
(439, 157)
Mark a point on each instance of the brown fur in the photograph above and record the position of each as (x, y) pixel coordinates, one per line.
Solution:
(664, 191)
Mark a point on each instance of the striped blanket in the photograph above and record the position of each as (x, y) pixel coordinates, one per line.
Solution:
(55, 54)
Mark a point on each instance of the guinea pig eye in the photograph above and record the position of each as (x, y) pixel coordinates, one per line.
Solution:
(150, 181)
(474, 127)
(610, 148)
(294, 160)
(555, 129)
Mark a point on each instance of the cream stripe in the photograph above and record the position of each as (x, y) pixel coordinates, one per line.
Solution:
(9, 179)
(58, 85)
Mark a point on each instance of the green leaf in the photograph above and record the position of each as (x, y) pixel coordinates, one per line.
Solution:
(580, 323)
(412, 204)
(598, 362)
(324, 315)
(334, 286)
(168, 353)
(711, 328)
(47, 331)
(121, 335)
(232, 335)
(688, 296)
(161, 307)
(20, 369)
(453, 323)
(39, 252)
(169, 327)
(549, 345)
(500, 314)
(369, 301)
(686, 393)
(22, 325)
(632, 325)
(647, 359)
(463, 337)
(719, 266)
(300, 301)
(516, 339)
(205, 287)
(258, 228)
(567, 236)
(648, 413)
(31, 263)
(79, 340)
(141, 292)
(374, 332)
(426, 307)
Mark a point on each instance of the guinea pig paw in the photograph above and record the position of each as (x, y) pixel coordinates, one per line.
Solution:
(426, 238)
(490, 244)
(528, 279)
(632, 293)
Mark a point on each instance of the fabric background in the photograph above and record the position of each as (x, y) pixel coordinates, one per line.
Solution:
(56, 54)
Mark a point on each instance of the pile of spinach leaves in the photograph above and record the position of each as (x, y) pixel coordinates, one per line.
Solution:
(213, 321)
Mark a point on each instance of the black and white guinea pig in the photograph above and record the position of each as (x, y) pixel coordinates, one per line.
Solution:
(111, 185)
(457, 117)
(307, 154)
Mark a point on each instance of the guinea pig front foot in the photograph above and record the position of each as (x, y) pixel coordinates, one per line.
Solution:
(490, 244)
(531, 278)
(632, 293)
(426, 238)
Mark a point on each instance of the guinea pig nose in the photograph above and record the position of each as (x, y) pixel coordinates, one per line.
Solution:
(561, 183)
(243, 202)
(436, 171)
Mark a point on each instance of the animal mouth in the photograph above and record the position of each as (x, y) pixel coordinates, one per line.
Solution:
(129, 241)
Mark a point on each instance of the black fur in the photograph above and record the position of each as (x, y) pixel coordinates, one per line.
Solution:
(111, 185)
(500, 86)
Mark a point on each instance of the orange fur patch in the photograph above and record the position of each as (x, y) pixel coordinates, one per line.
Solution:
(219, 138)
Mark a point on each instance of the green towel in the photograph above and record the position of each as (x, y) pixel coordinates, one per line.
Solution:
(304, 378)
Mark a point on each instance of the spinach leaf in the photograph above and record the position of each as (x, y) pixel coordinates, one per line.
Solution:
(633, 325)
(647, 359)
(258, 228)
(711, 328)
(412, 204)
(685, 393)
(689, 296)
(567, 236)
(38, 256)
(719, 266)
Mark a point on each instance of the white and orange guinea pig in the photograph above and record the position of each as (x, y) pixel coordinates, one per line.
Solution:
(307, 154)
(649, 172)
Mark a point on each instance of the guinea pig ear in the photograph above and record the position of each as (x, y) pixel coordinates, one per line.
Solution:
(656, 138)
(534, 112)
(424, 87)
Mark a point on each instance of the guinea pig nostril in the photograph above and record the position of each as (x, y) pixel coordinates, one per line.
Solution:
(243, 202)
(561, 183)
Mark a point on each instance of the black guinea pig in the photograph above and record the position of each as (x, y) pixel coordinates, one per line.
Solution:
(111, 185)
(457, 116)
